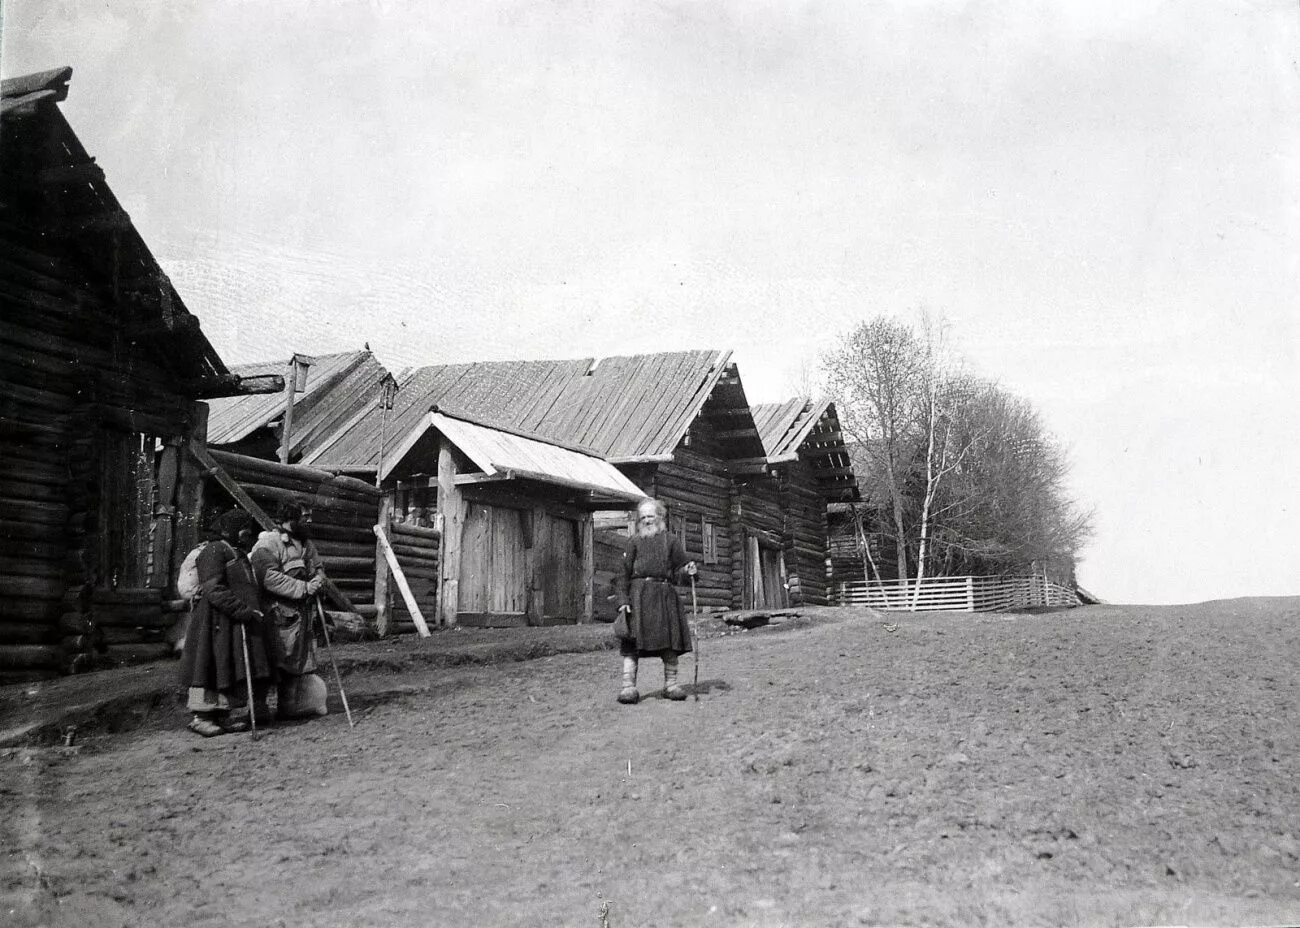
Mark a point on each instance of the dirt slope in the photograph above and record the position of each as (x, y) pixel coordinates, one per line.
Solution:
(1112, 765)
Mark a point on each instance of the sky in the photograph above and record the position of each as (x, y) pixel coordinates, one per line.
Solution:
(1102, 198)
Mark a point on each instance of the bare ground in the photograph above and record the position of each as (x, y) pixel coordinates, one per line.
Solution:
(1111, 765)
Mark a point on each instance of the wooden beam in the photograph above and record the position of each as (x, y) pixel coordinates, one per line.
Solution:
(383, 609)
(234, 385)
(403, 587)
(726, 434)
(64, 175)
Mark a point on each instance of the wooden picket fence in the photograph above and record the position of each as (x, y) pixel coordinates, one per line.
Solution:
(955, 594)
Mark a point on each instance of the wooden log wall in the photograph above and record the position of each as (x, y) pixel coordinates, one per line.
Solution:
(417, 549)
(344, 513)
(804, 534)
(696, 489)
(79, 401)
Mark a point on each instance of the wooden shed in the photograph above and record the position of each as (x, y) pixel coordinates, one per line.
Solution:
(101, 365)
(806, 469)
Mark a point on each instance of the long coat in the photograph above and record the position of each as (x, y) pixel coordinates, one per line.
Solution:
(214, 656)
(657, 622)
(282, 565)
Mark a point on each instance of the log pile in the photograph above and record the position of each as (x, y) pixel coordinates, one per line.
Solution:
(416, 548)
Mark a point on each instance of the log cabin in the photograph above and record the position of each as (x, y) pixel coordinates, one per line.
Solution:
(786, 497)
(101, 368)
(677, 425)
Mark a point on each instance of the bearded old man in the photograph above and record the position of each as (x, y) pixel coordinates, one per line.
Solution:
(290, 574)
(651, 621)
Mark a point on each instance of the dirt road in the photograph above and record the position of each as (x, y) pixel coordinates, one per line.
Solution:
(1105, 766)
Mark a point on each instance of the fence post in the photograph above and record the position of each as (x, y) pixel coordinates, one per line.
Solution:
(970, 594)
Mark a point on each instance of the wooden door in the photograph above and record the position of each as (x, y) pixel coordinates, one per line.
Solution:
(558, 553)
(493, 587)
(764, 576)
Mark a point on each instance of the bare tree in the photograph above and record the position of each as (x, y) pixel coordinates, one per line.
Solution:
(876, 375)
(962, 474)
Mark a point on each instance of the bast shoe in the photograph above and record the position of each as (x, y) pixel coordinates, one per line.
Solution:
(205, 727)
(675, 692)
(628, 696)
(234, 724)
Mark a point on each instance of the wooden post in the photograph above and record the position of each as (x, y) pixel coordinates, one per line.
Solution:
(452, 508)
(537, 538)
(165, 514)
(383, 608)
(970, 594)
(588, 568)
(297, 370)
(189, 493)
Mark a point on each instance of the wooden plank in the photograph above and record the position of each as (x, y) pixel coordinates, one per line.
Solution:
(588, 570)
(400, 578)
(451, 508)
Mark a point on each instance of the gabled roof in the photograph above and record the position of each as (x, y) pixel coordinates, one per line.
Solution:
(802, 428)
(626, 409)
(338, 386)
(52, 187)
(784, 426)
(504, 456)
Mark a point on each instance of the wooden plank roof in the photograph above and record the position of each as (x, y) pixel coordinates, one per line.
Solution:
(503, 455)
(338, 386)
(628, 408)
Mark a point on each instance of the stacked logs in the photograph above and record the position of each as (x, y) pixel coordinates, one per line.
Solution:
(697, 489)
(32, 552)
(113, 627)
(416, 548)
(344, 512)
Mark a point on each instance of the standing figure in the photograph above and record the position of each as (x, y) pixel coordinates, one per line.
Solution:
(651, 620)
(226, 609)
(290, 574)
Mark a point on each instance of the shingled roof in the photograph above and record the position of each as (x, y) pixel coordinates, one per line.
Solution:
(626, 409)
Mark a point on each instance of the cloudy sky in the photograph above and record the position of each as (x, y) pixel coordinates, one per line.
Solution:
(1100, 196)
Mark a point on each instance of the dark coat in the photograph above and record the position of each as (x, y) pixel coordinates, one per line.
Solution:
(657, 622)
(214, 657)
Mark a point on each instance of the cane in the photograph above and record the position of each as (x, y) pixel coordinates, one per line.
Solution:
(329, 649)
(248, 675)
(695, 633)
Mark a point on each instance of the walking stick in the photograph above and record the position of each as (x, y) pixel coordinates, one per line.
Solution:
(329, 649)
(695, 633)
(248, 675)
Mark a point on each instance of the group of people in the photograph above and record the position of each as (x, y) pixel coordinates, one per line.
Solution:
(252, 620)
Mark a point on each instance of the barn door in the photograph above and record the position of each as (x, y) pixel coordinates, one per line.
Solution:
(493, 571)
(764, 576)
(558, 544)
